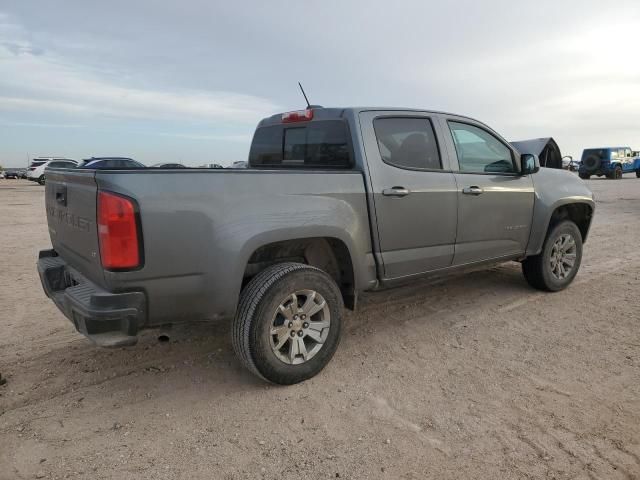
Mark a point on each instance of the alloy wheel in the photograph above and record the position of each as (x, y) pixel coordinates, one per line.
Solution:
(563, 256)
(300, 326)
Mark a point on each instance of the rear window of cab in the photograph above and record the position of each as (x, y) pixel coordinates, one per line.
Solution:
(319, 144)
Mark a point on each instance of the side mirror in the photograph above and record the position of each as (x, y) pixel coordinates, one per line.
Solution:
(529, 163)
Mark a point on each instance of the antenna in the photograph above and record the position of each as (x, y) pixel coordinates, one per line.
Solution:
(304, 95)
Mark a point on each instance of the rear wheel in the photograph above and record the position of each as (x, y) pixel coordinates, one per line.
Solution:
(637, 173)
(558, 263)
(41, 180)
(617, 173)
(288, 323)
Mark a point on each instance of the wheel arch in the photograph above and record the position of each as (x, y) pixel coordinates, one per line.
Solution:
(328, 253)
(578, 211)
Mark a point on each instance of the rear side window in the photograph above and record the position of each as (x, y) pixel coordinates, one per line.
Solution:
(101, 164)
(320, 144)
(61, 165)
(408, 143)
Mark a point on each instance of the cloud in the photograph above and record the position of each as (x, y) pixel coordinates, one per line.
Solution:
(217, 138)
(11, 123)
(40, 80)
(198, 72)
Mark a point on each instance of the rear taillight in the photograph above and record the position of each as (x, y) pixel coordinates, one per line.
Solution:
(117, 232)
(297, 116)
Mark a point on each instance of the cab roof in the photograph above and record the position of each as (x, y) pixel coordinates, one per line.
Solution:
(334, 113)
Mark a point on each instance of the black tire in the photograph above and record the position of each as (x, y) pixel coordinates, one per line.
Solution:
(537, 269)
(584, 176)
(258, 303)
(592, 162)
(41, 180)
(637, 173)
(617, 173)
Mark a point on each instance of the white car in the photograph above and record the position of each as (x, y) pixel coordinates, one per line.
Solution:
(36, 169)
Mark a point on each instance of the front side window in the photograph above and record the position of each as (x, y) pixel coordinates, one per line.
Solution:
(479, 151)
(407, 142)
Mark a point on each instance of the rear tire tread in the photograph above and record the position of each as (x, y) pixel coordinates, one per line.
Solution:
(250, 297)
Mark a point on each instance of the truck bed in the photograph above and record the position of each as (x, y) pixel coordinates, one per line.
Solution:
(200, 227)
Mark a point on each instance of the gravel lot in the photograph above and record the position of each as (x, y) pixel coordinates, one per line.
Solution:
(477, 376)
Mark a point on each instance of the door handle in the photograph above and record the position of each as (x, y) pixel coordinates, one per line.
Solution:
(472, 190)
(396, 192)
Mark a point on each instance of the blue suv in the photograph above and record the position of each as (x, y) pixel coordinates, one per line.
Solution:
(609, 161)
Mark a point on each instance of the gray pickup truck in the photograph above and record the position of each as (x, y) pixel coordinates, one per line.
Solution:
(335, 201)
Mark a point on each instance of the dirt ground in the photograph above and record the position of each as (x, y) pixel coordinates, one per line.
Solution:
(476, 376)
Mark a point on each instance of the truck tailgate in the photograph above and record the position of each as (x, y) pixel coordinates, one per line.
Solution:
(70, 198)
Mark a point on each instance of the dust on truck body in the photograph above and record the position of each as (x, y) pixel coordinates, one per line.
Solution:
(334, 202)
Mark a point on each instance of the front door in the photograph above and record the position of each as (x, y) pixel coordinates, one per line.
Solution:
(414, 194)
(495, 202)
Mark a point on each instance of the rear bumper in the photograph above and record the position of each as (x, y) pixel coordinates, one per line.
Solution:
(107, 319)
(600, 172)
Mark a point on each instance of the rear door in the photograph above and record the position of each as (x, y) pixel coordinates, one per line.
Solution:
(414, 191)
(70, 198)
(495, 202)
(627, 160)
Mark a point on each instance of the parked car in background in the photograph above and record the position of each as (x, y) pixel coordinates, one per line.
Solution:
(110, 163)
(37, 168)
(210, 165)
(11, 174)
(168, 165)
(568, 163)
(335, 201)
(23, 174)
(1, 175)
(611, 162)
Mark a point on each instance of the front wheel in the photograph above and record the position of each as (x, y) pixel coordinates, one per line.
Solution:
(584, 176)
(41, 180)
(558, 263)
(288, 323)
(637, 173)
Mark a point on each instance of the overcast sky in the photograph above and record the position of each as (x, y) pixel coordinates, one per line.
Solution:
(187, 80)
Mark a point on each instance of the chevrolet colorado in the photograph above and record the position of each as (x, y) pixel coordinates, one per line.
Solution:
(335, 201)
